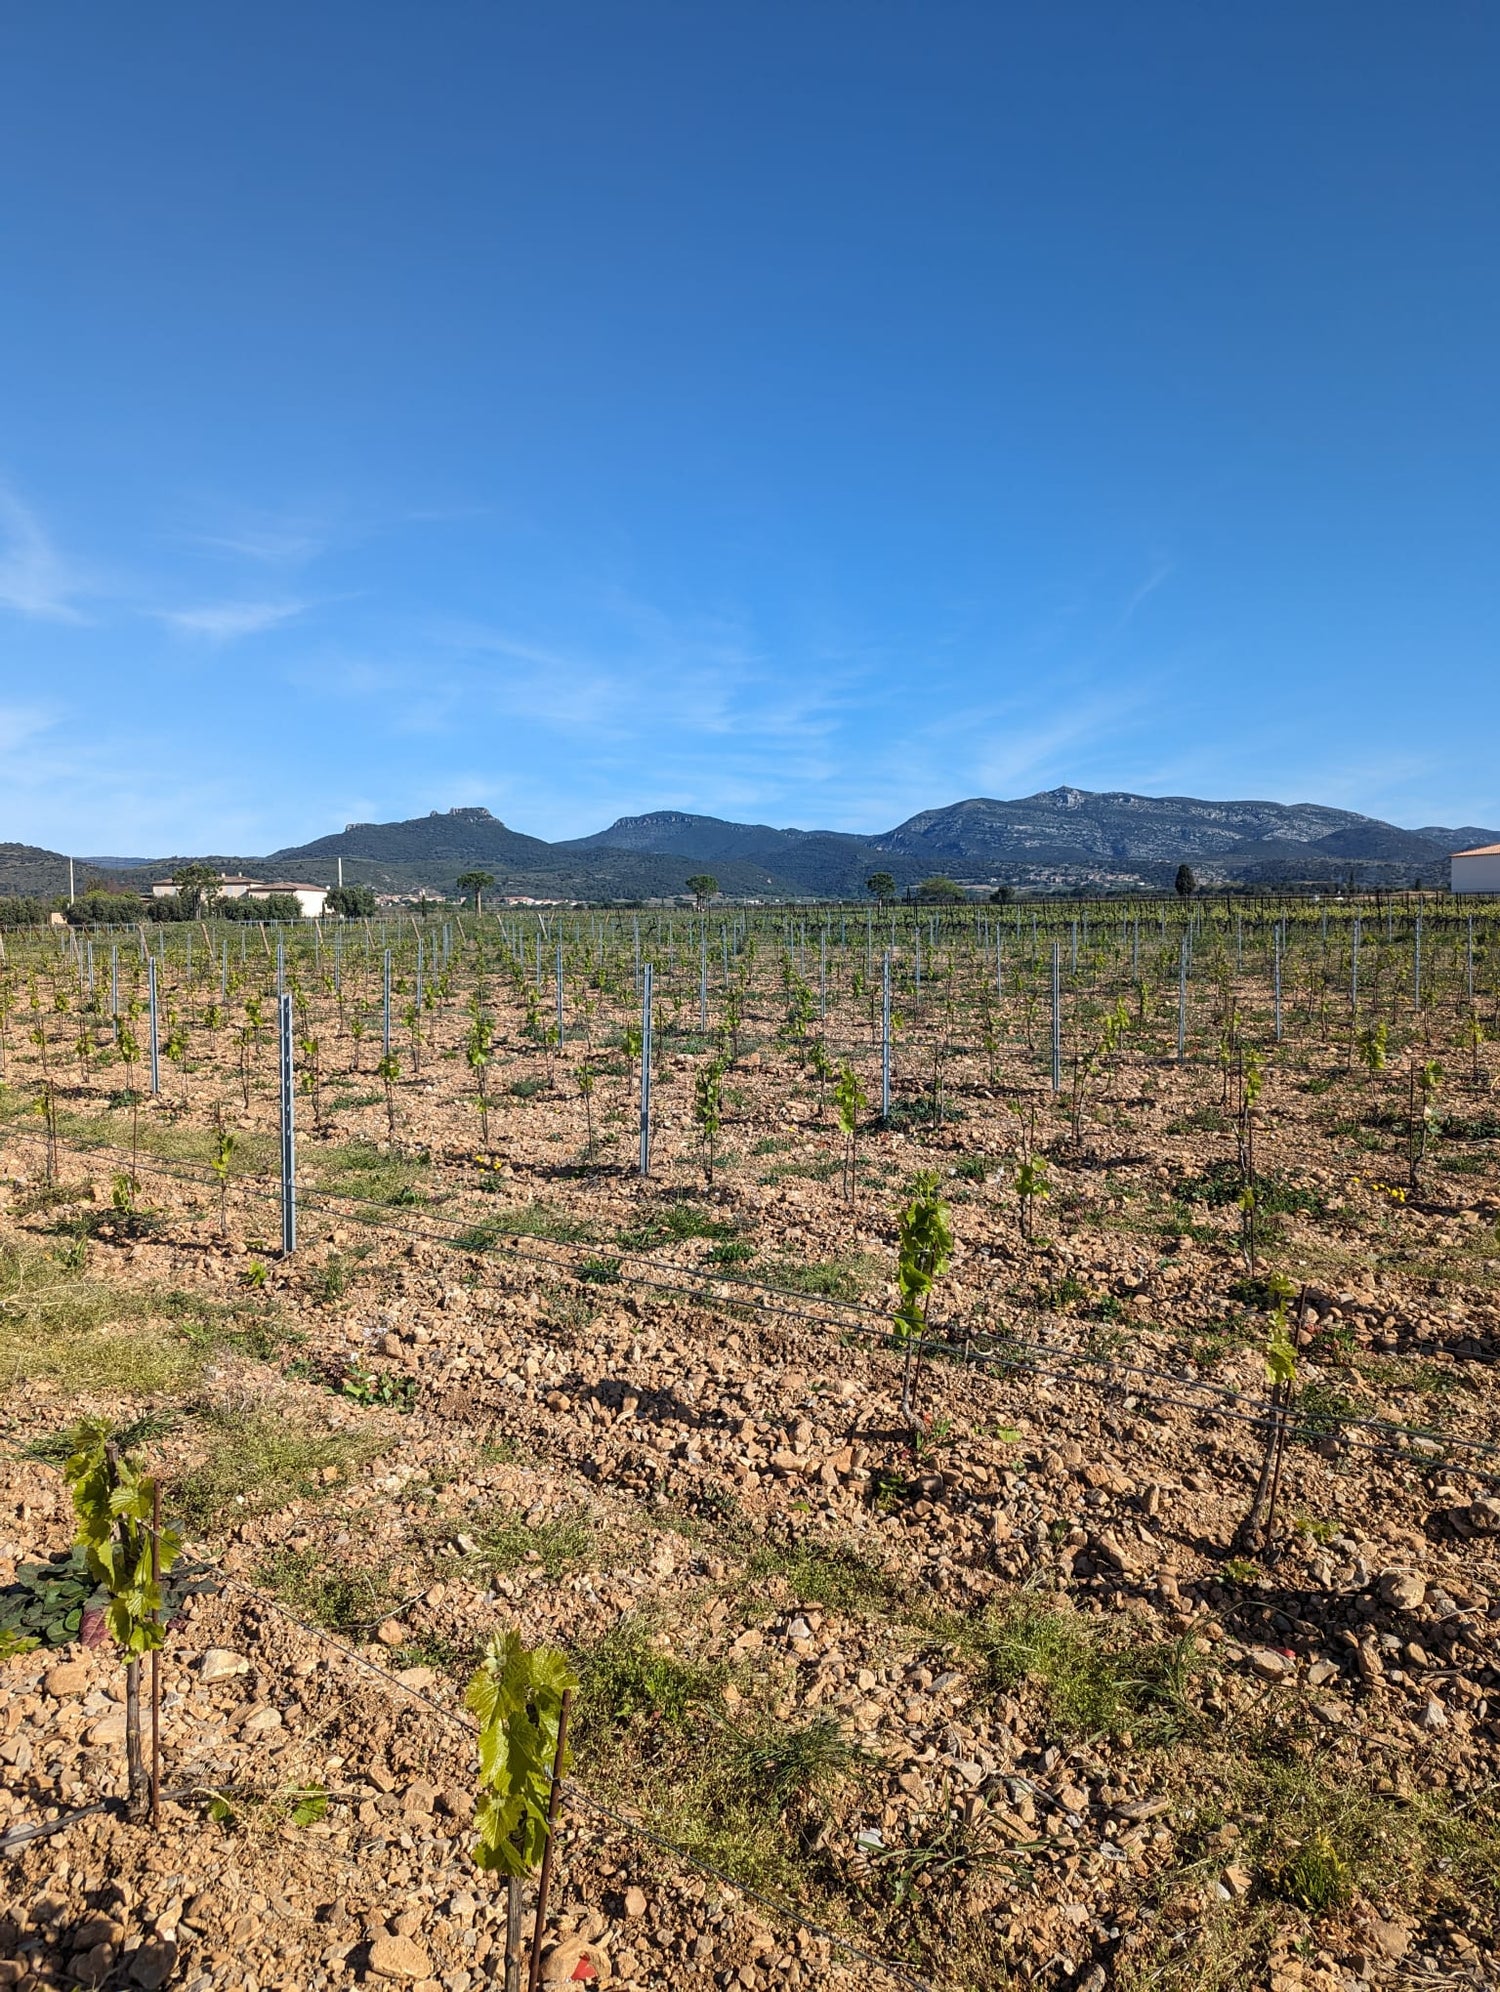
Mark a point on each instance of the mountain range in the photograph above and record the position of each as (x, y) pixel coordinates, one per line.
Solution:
(1065, 839)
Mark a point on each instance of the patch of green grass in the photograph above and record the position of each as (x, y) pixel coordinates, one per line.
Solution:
(170, 1141)
(742, 1794)
(327, 1590)
(1092, 1687)
(785, 1767)
(534, 1220)
(835, 1575)
(257, 1462)
(772, 1144)
(1069, 1291)
(1275, 1196)
(1319, 1411)
(673, 1223)
(828, 1279)
(528, 1088)
(557, 1545)
(600, 1271)
(370, 1174)
(630, 1678)
(1317, 1841)
(822, 1169)
(351, 1101)
(249, 1327)
(734, 1252)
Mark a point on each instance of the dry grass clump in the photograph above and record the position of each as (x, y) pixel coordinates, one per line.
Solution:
(748, 1793)
(258, 1458)
(1314, 1840)
(60, 1326)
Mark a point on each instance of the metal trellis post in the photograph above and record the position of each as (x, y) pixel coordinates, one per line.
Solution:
(288, 1133)
(646, 1070)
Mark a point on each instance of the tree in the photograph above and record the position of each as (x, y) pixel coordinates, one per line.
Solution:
(197, 888)
(882, 886)
(703, 886)
(476, 882)
(1002, 895)
(352, 902)
(1186, 883)
(940, 891)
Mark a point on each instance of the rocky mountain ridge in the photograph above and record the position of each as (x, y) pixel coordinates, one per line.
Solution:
(1062, 839)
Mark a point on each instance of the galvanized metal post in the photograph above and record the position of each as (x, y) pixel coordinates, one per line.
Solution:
(885, 1036)
(154, 1034)
(1182, 979)
(1057, 1016)
(646, 1070)
(288, 1134)
(1276, 974)
(1416, 965)
(559, 995)
(1354, 967)
(386, 1022)
(703, 977)
(114, 979)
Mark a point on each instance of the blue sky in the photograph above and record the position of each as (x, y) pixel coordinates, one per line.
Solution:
(809, 412)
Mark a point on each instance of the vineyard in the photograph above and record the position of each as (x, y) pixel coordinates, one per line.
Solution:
(931, 1447)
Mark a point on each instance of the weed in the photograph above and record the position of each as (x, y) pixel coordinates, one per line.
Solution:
(327, 1590)
(386, 1388)
(1091, 1687)
(79, 1333)
(527, 1221)
(673, 1223)
(835, 1575)
(258, 1462)
(367, 1174)
(829, 1279)
(557, 1545)
(632, 1678)
(599, 1271)
(787, 1767)
(1319, 1411)
(733, 1252)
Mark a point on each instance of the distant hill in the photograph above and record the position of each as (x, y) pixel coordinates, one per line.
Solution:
(1063, 839)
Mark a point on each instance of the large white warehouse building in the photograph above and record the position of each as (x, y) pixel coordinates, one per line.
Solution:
(1477, 871)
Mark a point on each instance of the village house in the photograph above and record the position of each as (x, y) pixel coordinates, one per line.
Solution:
(1477, 870)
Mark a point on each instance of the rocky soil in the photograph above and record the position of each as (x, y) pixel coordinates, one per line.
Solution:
(998, 1702)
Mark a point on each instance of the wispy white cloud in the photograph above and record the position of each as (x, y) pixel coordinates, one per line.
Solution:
(223, 622)
(274, 546)
(35, 578)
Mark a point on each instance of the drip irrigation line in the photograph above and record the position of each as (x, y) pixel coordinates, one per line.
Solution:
(1216, 1400)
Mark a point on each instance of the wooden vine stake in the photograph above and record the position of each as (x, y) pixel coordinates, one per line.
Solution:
(522, 1697)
